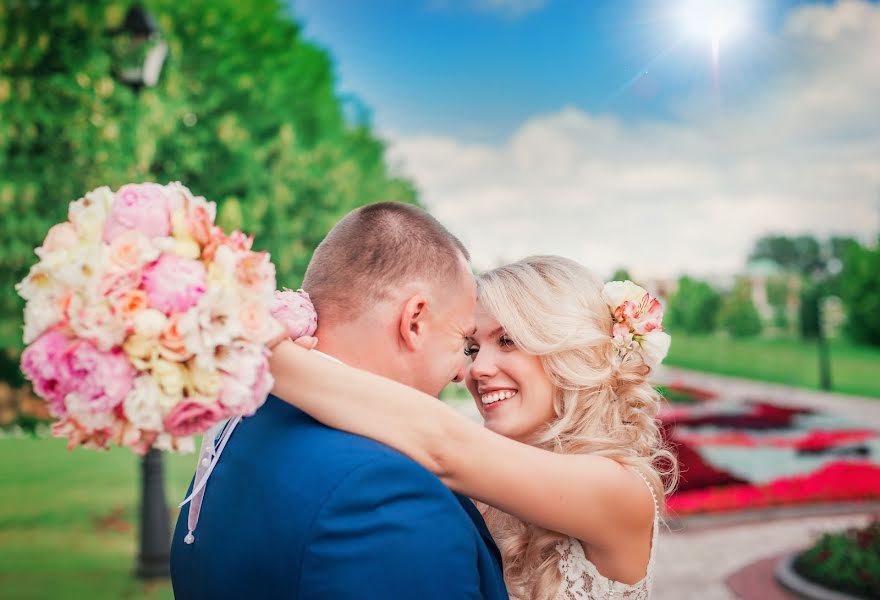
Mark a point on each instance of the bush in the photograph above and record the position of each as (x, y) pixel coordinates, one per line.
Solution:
(738, 314)
(694, 307)
(847, 561)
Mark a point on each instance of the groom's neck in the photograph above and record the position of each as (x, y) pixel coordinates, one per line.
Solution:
(357, 347)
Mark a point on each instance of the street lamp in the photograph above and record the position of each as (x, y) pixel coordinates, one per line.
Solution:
(141, 53)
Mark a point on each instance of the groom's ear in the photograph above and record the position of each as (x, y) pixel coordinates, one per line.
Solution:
(412, 322)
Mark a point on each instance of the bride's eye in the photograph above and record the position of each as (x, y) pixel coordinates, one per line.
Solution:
(505, 342)
(471, 350)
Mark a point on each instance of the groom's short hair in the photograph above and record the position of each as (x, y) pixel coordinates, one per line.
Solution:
(375, 249)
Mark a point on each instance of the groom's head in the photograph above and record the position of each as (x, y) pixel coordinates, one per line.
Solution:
(394, 295)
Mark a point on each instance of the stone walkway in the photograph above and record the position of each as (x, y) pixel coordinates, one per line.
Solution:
(695, 565)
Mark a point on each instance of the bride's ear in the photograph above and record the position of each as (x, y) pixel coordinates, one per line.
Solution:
(413, 319)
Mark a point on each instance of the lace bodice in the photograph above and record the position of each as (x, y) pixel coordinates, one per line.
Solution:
(582, 581)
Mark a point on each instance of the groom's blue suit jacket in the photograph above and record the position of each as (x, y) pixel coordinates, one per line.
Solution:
(297, 510)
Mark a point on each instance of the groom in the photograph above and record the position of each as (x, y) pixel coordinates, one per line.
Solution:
(294, 509)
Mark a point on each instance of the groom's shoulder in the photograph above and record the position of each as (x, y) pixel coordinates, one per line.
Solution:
(315, 454)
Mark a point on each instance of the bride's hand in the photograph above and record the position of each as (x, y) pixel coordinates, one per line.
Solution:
(307, 341)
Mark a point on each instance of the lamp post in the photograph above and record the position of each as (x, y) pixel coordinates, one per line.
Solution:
(142, 53)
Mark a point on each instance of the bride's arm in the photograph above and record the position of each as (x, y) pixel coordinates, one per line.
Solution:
(588, 497)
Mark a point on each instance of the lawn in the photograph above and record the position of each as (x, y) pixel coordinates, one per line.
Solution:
(68, 520)
(854, 369)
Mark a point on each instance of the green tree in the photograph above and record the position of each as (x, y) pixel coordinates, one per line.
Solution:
(621, 274)
(802, 254)
(738, 315)
(859, 283)
(694, 306)
(246, 113)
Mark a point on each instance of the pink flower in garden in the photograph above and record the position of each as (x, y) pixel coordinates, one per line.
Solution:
(100, 379)
(192, 417)
(296, 312)
(174, 284)
(41, 363)
(139, 206)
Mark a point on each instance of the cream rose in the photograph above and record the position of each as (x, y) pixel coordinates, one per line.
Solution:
(170, 376)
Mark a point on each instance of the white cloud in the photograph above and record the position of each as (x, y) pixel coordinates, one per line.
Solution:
(691, 196)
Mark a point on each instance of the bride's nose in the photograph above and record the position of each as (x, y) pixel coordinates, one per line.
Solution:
(483, 366)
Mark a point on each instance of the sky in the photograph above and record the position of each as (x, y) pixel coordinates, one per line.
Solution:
(647, 134)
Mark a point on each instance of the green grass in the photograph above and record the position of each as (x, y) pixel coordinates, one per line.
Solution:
(854, 369)
(68, 520)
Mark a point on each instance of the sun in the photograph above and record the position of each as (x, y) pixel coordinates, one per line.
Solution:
(714, 21)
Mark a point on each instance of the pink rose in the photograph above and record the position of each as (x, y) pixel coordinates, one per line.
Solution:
(246, 380)
(257, 324)
(174, 284)
(255, 271)
(191, 417)
(41, 363)
(60, 237)
(236, 240)
(102, 380)
(143, 207)
(296, 312)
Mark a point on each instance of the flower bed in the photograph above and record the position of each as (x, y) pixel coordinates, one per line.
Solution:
(746, 455)
(847, 561)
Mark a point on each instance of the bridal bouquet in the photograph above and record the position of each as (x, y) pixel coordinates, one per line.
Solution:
(145, 324)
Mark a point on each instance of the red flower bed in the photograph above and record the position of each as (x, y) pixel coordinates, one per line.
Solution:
(755, 416)
(813, 441)
(836, 482)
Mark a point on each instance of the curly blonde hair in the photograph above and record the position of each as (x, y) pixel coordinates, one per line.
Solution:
(553, 307)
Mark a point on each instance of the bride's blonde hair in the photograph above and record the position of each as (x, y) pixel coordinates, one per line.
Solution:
(553, 307)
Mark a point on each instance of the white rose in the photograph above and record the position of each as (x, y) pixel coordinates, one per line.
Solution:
(618, 292)
(95, 321)
(150, 323)
(142, 405)
(39, 315)
(655, 346)
(89, 214)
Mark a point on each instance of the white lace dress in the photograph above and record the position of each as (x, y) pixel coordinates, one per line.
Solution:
(582, 581)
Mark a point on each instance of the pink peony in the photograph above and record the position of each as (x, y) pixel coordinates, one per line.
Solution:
(41, 363)
(174, 284)
(102, 380)
(143, 207)
(246, 378)
(296, 312)
(192, 417)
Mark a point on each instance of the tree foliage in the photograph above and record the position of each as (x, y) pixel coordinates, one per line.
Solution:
(859, 284)
(738, 315)
(694, 306)
(245, 113)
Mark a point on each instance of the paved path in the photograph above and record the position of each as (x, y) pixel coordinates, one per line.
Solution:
(865, 411)
(695, 565)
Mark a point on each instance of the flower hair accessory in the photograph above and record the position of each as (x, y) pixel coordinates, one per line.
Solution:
(637, 321)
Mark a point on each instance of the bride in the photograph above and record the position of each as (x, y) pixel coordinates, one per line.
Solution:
(567, 470)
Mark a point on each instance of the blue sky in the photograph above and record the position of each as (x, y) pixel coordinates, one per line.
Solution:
(544, 117)
(478, 69)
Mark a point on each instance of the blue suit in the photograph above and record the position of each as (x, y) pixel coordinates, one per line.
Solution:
(297, 510)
